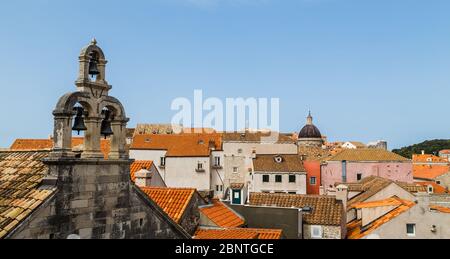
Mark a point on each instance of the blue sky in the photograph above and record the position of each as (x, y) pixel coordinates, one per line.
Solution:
(368, 69)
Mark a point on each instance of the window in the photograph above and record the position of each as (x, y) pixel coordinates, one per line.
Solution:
(292, 178)
(313, 181)
(200, 167)
(316, 232)
(292, 192)
(163, 161)
(278, 178)
(430, 189)
(411, 230)
(217, 161)
(235, 170)
(141, 222)
(240, 151)
(266, 178)
(358, 177)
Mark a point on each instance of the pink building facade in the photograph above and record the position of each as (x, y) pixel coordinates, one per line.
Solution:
(352, 171)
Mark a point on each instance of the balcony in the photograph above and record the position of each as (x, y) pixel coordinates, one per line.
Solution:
(217, 166)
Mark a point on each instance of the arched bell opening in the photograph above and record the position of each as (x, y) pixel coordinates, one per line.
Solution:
(114, 127)
(79, 125)
(93, 65)
(108, 115)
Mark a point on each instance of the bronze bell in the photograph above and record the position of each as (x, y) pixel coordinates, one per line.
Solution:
(106, 129)
(93, 68)
(79, 125)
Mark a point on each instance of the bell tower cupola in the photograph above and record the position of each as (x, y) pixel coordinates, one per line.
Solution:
(90, 109)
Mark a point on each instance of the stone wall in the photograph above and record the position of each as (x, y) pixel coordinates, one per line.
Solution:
(328, 232)
(96, 199)
(191, 217)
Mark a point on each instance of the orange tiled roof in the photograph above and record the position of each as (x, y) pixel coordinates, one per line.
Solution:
(369, 154)
(173, 201)
(388, 202)
(179, 145)
(440, 209)
(288, 163)
(371, 185)
(355, 229)
(20, 175)
(47, 144)
(138, 165)
(445, 151)
(326, 210)
(427, 158)
(436, 187)
(222, 215)
(429, 171)
(238, 233)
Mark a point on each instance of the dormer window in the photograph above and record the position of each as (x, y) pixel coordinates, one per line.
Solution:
(147, 140)
(278, 159)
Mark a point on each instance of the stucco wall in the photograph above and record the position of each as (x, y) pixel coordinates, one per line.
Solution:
(424, 219)
(153, 155)
(181, 172)
(285, 186)
(397, 171)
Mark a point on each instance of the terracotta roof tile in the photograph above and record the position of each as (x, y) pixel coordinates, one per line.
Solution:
(179, 145)
(173, 201)
(427, 158)
(440, 209)
(436, 187)
(429, 171)
(21, 173)
(238, 233)
(47, 145)
(388, 202)
(356, 231)
(368, 154)
(326, 210)
(138, 165)
(254, 137)
(371, 185)
(222, 215)
(286, 163)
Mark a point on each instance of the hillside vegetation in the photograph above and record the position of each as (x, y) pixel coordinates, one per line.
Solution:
(429, 146)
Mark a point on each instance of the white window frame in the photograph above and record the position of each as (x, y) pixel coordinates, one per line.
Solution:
(320, 229)
(217, 161)
(414, 230)
(162, 161)
(235, 171)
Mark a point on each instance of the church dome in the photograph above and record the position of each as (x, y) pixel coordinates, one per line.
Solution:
(310, 131)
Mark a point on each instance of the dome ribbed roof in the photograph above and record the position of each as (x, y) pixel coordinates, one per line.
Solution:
(310, 131)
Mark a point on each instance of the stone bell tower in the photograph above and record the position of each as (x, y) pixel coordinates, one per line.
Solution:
(97, 112)
(94, 196)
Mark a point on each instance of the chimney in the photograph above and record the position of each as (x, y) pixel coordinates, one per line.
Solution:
(423, 152)
(143, 178)
(342, 194)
